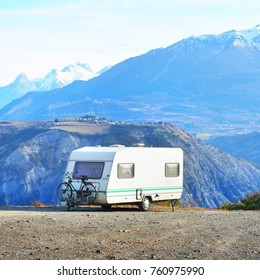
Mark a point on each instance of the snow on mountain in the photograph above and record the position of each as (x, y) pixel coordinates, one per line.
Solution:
(60, 78)
(207, 84)
(243, 38)
(252, 36)
(53, 80)
(20, 86)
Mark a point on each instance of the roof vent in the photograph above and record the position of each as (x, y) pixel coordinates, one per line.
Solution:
(139, 145)
(117, 145)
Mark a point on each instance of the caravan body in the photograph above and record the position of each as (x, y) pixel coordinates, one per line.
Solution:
(129, 174)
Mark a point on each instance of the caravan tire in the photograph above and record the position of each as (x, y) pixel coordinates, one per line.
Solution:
(145, 204)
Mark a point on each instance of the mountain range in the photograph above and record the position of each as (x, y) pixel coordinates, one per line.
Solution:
(209, 85)
(54, 79)
(34, 156)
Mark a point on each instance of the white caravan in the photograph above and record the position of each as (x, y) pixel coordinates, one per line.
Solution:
(120, 174)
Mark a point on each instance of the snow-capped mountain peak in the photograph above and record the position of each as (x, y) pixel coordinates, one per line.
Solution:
(59, 78)
(237, 38)
(54, 79)
(21, 78)
(240, 40)
(252, 35)
(77, 67)
(50, 81)
(243, 38)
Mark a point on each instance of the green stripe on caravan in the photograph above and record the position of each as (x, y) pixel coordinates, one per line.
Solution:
(143, 189)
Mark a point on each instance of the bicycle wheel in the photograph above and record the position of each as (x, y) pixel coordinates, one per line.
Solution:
(88, 193)
(64, 192)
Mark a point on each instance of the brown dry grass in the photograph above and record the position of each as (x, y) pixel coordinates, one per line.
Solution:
(82, 128)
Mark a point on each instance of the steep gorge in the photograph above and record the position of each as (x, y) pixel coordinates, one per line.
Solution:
(32, 167)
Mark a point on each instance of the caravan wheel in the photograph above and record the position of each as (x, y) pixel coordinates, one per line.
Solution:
(145, 204)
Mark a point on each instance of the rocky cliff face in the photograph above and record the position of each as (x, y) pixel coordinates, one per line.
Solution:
(32, 171)
(33, 164)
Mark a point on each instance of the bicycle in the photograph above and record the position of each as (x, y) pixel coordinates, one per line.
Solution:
(86, 194)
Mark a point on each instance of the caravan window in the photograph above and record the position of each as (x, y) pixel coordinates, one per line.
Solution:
(125, 170)
(92, 170)
(172, 169)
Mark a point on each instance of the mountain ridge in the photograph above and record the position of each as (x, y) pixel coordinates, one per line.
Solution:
(200, 83)
(52, 80)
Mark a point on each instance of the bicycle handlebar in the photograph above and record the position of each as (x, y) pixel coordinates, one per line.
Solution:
(83, 178)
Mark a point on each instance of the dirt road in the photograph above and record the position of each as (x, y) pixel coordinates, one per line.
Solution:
(89, 233)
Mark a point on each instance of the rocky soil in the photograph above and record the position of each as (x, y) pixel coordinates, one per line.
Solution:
(126, 233)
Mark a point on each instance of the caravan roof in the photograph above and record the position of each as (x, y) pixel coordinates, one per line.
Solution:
(108, 153)
(96, 153)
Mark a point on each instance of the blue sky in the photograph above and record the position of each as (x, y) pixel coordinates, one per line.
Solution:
(37, 36)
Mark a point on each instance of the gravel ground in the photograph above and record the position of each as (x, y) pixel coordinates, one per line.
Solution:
(126, 233)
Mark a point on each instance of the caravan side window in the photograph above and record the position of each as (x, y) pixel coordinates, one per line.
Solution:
(92, 170)
(125, 170)
(172, 169)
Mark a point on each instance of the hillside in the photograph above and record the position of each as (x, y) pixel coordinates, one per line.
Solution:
(206, 84)
(245, 145)
(33, 159)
